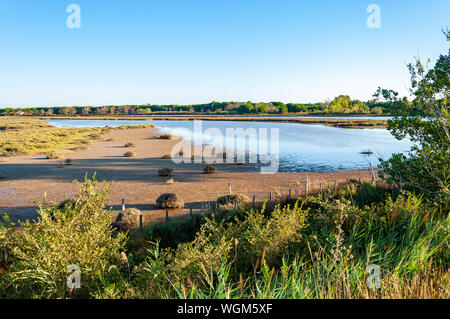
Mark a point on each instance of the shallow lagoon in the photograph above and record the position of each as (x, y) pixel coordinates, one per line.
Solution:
(302, 147)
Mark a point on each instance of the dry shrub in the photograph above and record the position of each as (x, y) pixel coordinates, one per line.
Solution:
(52, 155)
(128, 219)
(209, 169)
(170, 181)
(168, 137)
(68, 161)
(166, 157)
(14, 151)
(129, 144)
(81, 148)
(170, 200)
(165, 172)
(230, 199)
(130, 154)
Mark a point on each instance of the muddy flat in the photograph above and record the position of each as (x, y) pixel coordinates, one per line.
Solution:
(28, 178)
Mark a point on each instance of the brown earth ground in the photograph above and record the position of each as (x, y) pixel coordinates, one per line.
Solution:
(28, 178)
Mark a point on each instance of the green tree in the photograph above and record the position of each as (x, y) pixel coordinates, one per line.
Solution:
(425, 121)
(263, 108)
(246, 108)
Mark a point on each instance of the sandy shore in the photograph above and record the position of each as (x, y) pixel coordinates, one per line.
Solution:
(28, 178)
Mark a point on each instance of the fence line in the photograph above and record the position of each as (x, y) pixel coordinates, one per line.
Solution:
(280, 193)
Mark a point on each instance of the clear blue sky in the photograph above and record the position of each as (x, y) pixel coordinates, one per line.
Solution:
(196, 51)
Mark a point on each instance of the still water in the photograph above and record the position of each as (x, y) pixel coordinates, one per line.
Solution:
(301, 147)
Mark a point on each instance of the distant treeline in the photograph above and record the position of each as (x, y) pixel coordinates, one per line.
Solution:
(341, 104)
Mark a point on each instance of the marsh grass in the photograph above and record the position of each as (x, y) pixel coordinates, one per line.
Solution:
(21, 137)
(34, 137)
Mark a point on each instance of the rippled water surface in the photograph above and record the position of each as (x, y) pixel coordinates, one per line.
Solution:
(301, 147)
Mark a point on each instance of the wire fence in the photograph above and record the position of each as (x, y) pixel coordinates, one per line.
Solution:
(255, 198)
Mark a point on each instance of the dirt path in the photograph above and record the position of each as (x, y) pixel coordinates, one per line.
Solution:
(28, 178)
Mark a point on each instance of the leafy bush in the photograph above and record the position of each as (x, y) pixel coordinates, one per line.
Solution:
(78, 234)
(265, 239)
(206, 253)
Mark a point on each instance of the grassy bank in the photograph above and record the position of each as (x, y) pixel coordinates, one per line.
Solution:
(21, 137)
(321, 247)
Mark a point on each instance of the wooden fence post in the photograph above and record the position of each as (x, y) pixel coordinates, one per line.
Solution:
(235, 206)
(141, 226)
(167, 215)
(123, 203)
(253, 201)
(270, 197)
(229, 188)
(335, 185)
(306, 185)
(290, 194)
(320, 185)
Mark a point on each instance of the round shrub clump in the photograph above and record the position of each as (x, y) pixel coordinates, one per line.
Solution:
(129, 144)
(52, 155)
(130, 154)
(170, 200)
(209, 169)
(128, 219)
(166, 157)
(229, 199)
(165, 172)
(168, 137)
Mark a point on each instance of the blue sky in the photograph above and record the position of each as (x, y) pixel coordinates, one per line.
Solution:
(197, 51)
